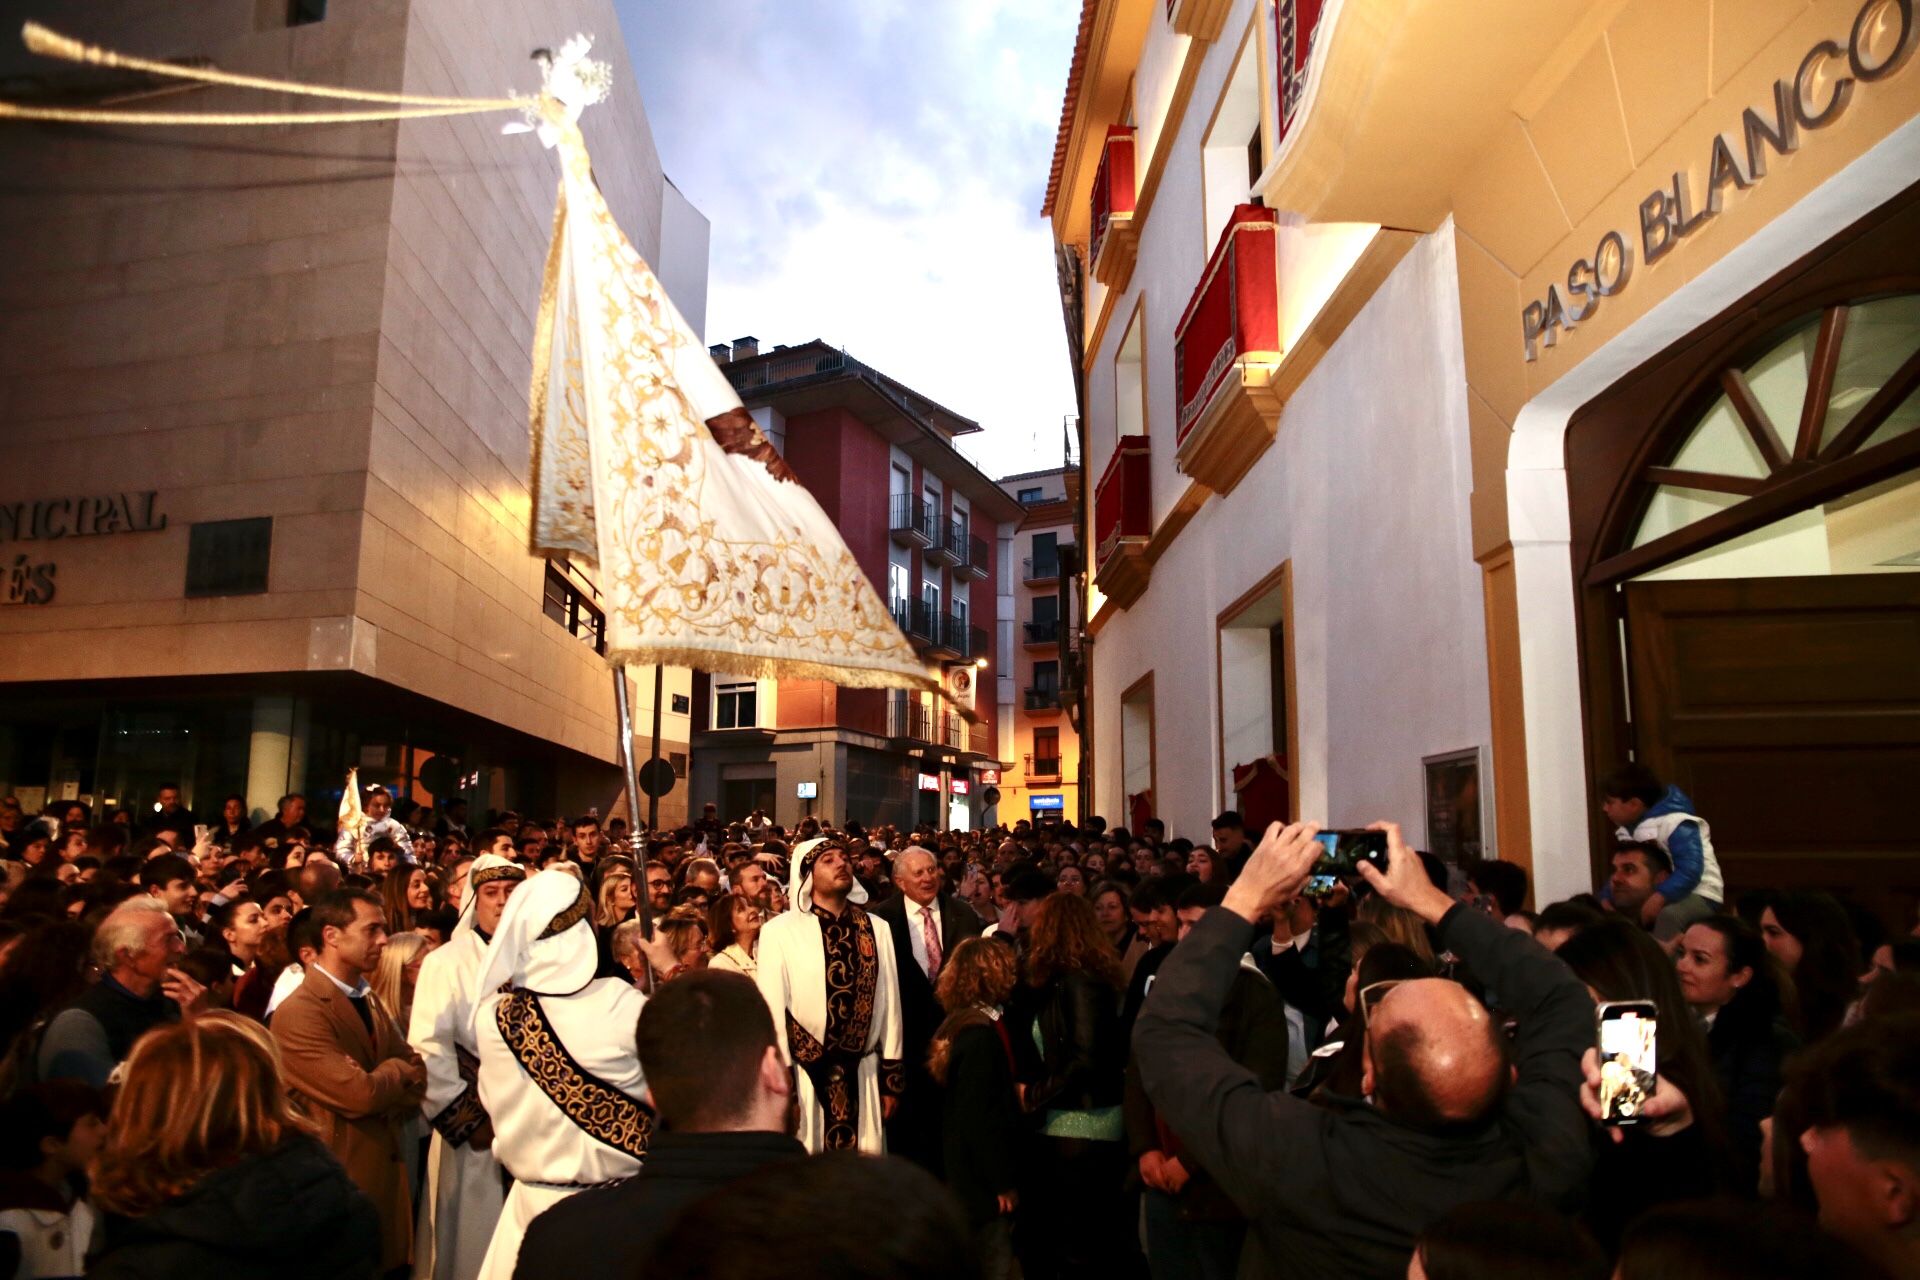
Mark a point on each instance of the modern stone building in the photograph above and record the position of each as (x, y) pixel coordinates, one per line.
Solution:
(263, 438)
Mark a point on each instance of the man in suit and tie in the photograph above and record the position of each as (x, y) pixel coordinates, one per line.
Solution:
(927, 923)
(347, 1063)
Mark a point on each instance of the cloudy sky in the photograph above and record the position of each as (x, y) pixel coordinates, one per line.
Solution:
(873, 171)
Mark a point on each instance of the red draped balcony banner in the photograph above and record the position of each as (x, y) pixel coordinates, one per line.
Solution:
(1123, 505)
(1113, 238)
(1123, 521)
(1226, 352)
(1235, 311)
(1294, 23)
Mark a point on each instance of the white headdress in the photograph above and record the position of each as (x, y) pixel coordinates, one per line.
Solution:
(800, 877)
(488, 866)
(545, 942)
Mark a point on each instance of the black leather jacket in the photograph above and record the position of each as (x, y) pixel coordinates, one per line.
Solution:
(1084, 1058)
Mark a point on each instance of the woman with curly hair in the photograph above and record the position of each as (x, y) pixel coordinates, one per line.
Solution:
(1071, 1015)
(972, 1060)
(207, 1171)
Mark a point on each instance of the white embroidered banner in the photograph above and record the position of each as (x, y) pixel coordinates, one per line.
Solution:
(709, 553)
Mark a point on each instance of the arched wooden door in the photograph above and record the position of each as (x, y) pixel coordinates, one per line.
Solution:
(1751, 597)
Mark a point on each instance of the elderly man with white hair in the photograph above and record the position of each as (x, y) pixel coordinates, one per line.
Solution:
(136, 949)
(827, 969)
(559, 1071)
(927, 922)
(461, 1201)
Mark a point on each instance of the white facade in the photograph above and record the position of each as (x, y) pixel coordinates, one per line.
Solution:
(1363, 498)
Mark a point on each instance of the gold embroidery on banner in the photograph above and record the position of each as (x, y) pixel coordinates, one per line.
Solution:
(758, 598)
(601, 1111)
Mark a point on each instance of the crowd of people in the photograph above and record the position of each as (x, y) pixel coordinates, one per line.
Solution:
(546, 1048)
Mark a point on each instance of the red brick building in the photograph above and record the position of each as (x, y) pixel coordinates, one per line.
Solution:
(932, 532)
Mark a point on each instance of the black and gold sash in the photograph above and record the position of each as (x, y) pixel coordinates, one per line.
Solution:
(460, 1119)
(601, 1111)
(833, 1064)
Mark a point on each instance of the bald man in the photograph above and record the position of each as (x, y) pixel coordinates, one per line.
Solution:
(1446, 1121)
(927, 922)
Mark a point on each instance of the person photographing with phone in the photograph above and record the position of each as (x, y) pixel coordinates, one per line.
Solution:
(1453, 1113)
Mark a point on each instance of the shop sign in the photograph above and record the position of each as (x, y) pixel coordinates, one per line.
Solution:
(51, 519)
(960, 786)
(1817, 95)
(806, 790)
(989, 777)
(961, 683)
(929, 782)
(27, 583)
(1039, 803)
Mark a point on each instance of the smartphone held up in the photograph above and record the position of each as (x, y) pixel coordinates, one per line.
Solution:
(1628, 1058)
(1342, 852)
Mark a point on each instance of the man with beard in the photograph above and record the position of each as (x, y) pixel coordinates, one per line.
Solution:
(827, 970)
(462, 1197)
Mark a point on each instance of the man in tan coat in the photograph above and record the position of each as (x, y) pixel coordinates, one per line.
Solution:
(347, 1063)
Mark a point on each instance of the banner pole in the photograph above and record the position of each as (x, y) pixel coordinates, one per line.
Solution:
(623, 711)
(653, 800)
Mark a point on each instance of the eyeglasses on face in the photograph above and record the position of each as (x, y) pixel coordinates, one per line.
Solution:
(1372, 994)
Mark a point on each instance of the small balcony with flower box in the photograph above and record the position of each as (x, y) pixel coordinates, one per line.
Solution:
(1226, 353)
(1115, 236)
(1123, 522)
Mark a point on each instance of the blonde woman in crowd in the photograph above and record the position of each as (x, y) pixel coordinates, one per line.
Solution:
(206, 1170)
(394, 982)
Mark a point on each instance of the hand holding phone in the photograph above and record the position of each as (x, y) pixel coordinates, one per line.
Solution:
(1667, 1110)
(1344, 851)
(1628, 1059)
(1402, 880)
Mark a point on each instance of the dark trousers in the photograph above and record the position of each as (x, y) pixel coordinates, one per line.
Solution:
(993, 1250)
(1072, 1213)
(1181, 1249)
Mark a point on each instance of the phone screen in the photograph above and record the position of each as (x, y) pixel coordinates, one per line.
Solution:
(1344, 851)
(1319, 886)
(1627, 1060)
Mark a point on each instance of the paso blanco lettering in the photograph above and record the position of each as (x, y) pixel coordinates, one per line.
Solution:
(1880, 42)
